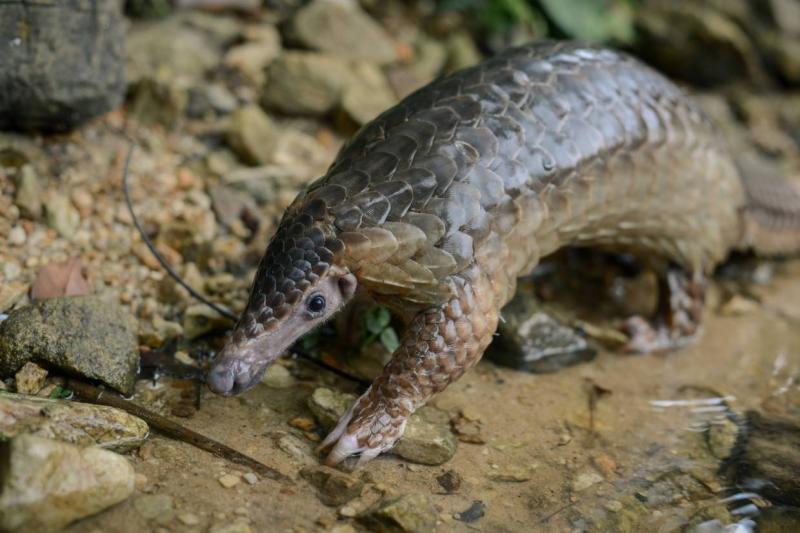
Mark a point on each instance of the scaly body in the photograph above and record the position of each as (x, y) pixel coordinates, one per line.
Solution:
(438, 205)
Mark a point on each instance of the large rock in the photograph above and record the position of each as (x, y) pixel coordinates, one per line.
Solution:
(343, 30)
(426, 443)
(252, 135)
(48, 484)
(72, 422)
(82, 335)
(404, 514)
(60, 62)
(305, 83)
(530, 339)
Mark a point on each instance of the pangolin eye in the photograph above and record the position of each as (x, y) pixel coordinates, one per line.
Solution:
(316, 304)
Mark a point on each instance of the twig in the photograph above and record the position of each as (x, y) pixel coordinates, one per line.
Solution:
(172, 429)
(196, 295)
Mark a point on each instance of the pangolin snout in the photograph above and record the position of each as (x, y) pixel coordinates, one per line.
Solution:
(234, 371)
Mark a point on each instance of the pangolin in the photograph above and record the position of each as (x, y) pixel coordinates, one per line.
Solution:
(440, 203)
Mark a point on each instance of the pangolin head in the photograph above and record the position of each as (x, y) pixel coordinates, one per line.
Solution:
(301, 282)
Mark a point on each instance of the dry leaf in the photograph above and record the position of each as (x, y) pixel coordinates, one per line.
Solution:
(60, 279)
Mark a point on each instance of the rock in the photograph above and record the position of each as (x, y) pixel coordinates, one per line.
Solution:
(60, 279)
(60, 63)
(586, 479)
(770, 455)
(180, 48)
(155, 102)
(250, 478)
(408, 513)
(199, 319)
(510, 473)
(532, 340)
(334, 487)
(426, 443)
(61, 215)
(296, 448)
(211, 98)
(474, 513)
(252, 135)
(278, 377)
(85, 335)
(343, 30)
(328, 406)
(30, 378)
(17, 236)
(671, 33)
(48, 484)
(28, 195)
(368, 95)
(77, 423)
(154, 506)
(189, 519)
(450, 481)
(229, 480)
(251, 58)
(305, 83)
(461, 51)
(232, 206)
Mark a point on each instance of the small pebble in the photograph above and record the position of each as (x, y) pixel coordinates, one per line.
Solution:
(302, 422)
(347, 511)
(614, 506)
(250, 478)
(140, 481)
(17, 236)
(189, 519)
(229, 480)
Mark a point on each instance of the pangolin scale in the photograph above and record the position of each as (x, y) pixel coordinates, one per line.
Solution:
(437, 206)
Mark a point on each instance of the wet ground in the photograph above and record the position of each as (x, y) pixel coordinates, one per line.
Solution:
(645, 457)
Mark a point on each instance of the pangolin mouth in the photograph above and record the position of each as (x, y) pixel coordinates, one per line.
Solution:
(228, 380)
(238, 368)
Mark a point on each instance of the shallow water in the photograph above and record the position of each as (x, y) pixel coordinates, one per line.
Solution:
(623, 443)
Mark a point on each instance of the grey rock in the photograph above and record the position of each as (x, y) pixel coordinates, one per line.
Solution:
(404, 514)
(250, 58)
(230, 204)
(426, 443)
(48, 484)
(368, 95)
(211, 98)
(158, 102)
(671, 35)
(61, 63)
(28, 194)
(343, 30)
(85, 335)
(180, 48)
(77, 423)
(61, 215)
(334, 487)
(532, 340)
(305, 83)
(252, 135)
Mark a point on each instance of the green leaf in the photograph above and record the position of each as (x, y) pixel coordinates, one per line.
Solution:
(60, 393)
(376, 319)
(593, 20)
(389, 339)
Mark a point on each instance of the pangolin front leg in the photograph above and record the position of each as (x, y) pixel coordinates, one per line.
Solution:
(439, 345)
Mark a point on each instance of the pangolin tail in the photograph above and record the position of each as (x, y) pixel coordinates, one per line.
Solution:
(771, 214)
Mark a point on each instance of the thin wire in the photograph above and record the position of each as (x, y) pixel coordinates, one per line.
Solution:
(196, 295)
(221, 310)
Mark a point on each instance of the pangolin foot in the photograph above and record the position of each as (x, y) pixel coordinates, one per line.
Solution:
(362, 433)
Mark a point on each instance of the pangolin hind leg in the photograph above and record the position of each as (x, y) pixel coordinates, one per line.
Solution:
(681, 295)
(439, 345)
